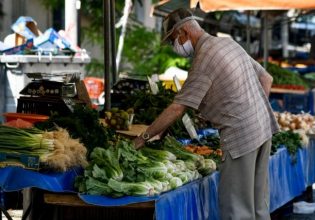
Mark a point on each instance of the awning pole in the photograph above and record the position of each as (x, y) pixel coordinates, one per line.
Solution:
(266, 39)
(113, 41)
(248, 33)
(285, 36)
(71, 25)
(107, 41)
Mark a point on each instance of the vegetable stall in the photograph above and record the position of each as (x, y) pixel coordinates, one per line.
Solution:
(81, 152)
(199, 195)
(84, 153)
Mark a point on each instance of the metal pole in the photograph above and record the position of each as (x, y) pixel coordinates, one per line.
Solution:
(71, 25)
(106, 20)
(266, 40)
(248, 33)
(78, 7)
(113, 40)
(123, 24)
(285, 36)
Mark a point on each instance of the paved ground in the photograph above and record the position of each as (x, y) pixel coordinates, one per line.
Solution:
(15, 214)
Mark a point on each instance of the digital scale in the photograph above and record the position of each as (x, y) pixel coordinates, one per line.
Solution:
(45, 97)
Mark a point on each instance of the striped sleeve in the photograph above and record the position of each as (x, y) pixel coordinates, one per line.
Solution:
(257, 67)
(194, 90)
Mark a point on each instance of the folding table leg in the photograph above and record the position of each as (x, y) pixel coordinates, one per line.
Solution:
(2, 207)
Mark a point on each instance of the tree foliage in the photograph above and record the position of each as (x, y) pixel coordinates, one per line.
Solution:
(144, 50)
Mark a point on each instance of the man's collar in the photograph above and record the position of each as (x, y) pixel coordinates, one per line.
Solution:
(201, 40)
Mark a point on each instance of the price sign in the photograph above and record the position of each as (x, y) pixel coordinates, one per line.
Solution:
(153, 86)
(188, 123)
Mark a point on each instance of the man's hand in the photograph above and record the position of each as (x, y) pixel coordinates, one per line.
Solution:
(165, 119)
(266, 82)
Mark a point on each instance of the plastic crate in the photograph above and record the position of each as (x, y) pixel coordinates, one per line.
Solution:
(296, 103)
(42, 106)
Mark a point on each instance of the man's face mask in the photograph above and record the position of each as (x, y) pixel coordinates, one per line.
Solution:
(185, 50)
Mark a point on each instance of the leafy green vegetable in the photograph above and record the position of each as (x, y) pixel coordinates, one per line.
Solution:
(96, 187)
(109, 161)
(190, 165)
(148, 107)
(172, 145)
(154, 169)
(83, 124)
(289, 139)
(175, 182)
(157, 185)
(138, 189)
(209, 167)
(158, 154)
(122, 170)
(284, 77)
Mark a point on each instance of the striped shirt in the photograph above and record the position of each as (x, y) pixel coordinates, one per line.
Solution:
(223, 85)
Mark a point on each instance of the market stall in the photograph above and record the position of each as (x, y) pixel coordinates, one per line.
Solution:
(292, 172)
(188, 191)
(195, 200)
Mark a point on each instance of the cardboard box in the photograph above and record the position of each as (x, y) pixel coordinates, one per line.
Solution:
(51, 40)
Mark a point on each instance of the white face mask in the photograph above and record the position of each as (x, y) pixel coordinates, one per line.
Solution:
(185, 50)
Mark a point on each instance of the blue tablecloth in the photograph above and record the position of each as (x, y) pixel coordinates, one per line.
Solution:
(16, 178)
(286, 176)
(196, 200)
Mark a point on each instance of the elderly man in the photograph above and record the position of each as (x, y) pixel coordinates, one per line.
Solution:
(230, 89)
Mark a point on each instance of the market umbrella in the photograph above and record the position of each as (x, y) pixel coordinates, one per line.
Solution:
(223, 5)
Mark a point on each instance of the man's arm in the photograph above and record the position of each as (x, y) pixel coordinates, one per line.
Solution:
(165, 119)
(264, 77)
(265, 80)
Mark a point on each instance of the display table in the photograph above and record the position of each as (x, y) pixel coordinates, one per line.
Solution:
(195, 200)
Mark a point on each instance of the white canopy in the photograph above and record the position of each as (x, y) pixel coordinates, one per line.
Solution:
(171, 72)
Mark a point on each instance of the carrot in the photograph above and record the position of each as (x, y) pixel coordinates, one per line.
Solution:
(19, 123)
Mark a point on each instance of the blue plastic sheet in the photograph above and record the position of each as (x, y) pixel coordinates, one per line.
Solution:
(196, 200)
(308, 69)
(16, 178)
(207, 132)
(109, 201)
(286, 178)
(202, 133)
(309, 162)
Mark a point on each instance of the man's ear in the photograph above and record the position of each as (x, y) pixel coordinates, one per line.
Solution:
(185, 32)
(184, 35)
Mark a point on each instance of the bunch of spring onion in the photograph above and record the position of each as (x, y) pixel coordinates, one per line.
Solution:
(55, 148)
(29, 141)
